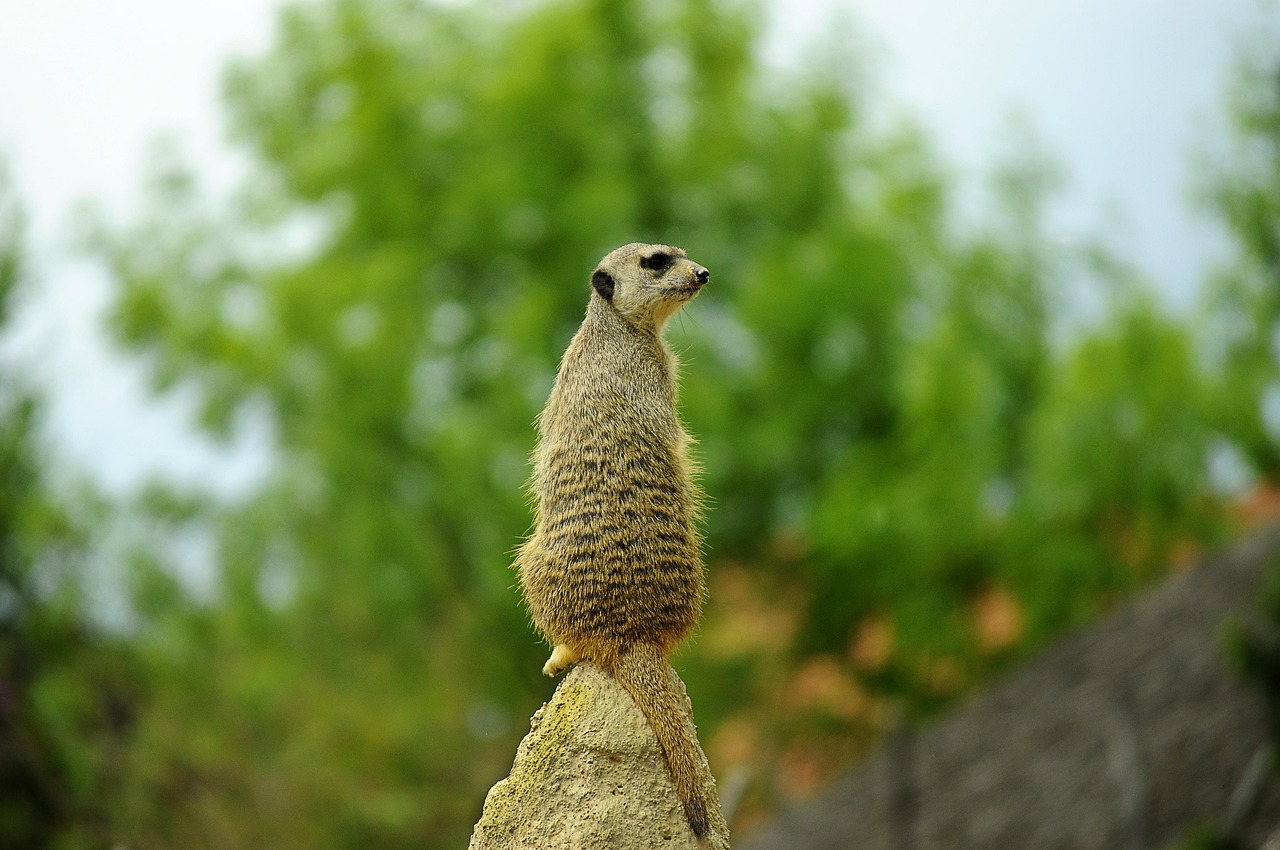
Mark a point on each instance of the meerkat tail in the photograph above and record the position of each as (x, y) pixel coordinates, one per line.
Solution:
(644, 672)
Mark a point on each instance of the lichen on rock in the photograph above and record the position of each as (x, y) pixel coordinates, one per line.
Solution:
(590, 776)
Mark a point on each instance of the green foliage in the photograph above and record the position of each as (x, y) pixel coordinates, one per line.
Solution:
(911, 484)
(1243, 191)
(63, 698)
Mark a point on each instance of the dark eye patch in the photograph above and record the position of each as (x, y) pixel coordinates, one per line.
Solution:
(658, 262)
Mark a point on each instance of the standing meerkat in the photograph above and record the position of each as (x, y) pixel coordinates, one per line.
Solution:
(613, 571)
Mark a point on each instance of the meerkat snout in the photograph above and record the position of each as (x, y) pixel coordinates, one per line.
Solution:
(701, 274)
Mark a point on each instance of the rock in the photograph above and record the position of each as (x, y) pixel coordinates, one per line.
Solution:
(1128, 733)
(590, 776)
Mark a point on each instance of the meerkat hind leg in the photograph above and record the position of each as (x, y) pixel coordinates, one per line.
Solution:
(561, 657)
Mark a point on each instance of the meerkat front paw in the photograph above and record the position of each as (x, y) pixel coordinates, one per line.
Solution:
(561, 657)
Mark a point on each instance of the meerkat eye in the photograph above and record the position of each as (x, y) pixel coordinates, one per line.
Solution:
(658, 262)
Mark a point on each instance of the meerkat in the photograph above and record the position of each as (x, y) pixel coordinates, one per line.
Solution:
(612, 573)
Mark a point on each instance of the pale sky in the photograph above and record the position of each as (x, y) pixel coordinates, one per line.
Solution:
(1120, 91)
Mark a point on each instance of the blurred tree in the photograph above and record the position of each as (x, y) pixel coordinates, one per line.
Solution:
(1242, 190)
(63, 683)
(917, 482)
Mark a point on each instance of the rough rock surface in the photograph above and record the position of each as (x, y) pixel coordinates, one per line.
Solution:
(590, 776)
(1126, 734)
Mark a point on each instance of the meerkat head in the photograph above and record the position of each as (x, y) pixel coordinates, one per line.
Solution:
(647, 284)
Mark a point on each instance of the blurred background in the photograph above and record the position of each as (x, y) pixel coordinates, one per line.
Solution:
(990, 346)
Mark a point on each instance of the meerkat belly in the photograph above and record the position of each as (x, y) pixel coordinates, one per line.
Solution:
(622, 556)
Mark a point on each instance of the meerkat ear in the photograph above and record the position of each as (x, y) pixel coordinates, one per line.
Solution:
(603, 283)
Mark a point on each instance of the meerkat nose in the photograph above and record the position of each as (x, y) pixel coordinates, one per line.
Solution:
(702, 275)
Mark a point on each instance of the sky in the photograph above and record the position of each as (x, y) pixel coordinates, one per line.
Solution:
(1121, 92)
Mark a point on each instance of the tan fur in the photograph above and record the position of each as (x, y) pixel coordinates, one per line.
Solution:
(613, 571)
